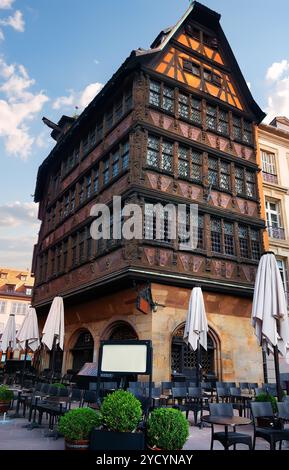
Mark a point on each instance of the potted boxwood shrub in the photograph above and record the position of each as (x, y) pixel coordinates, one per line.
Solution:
(121, 415)
(6, 396)
(76, 426)
(167, 429)
(58, 385)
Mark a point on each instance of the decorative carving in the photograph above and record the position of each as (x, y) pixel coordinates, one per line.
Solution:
(208, 264)
(246, 207)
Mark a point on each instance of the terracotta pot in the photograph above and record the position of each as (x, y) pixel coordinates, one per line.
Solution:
(4, 406)
(77, 445)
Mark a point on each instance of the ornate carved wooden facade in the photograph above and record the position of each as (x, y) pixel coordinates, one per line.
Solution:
(175, 124)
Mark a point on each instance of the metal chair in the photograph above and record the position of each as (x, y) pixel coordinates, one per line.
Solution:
(244, 385)
(268, 433)
(75, 397)
(197, 402)
(223, 394)
(89, 397)
(232, 437)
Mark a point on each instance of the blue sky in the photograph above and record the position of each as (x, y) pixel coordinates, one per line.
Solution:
(55, 54)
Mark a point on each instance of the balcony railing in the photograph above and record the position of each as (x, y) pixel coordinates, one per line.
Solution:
(276, 232)
(270, 177)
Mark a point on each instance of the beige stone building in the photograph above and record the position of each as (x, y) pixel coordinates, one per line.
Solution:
(15, 295)
(274, 150)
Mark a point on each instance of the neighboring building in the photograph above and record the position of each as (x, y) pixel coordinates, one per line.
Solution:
(274, 150)
(175, 124)
(15, 295)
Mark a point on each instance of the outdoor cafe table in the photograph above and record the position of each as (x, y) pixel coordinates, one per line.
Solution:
(226, 421)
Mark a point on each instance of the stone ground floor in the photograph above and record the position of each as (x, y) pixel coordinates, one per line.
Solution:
(233, 353)
(14, 437)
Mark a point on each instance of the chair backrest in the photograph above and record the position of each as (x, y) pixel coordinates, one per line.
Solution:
(53, 391)
(236, 391)
(76, 394)
(109, 385)
(270, 388)
(38, 387)
(244, 385)
(156, 392)
(222, 391)
(45, 388)
(92, 386)
(192, 384)
(283, 410)
(229, 384)
(147, 384)
(221, 409)
(166, 386)
(220, 384)
(286, 398)
(63, 392)
(258, 391)
(195, 392)
(136, 391)
(207, 386)
(179, 392)
(262, 408)
(252, 385)
(89, 396)
(135, 384)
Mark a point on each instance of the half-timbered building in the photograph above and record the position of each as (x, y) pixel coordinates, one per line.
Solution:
(175, 124)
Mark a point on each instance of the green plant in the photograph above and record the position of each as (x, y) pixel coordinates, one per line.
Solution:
(268, 397)
(5, 394)
(167, 429)
(121, 411)
(59, 385)
(77, 424)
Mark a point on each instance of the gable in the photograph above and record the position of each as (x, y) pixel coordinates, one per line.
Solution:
(175, 64)
(198, 38)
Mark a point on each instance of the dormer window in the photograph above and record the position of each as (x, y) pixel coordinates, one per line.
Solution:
(23, 277)
(3, 276)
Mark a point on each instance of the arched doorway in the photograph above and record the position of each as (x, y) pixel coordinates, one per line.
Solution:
(184, 360)
(82, 350)
(122, 330)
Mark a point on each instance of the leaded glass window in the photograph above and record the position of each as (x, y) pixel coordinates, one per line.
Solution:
(196, 166)
(105, 173)
(167, 156)
(95, 180)
(255, 244)
(216, 245)
(88, 186)
(225, 176)
(223, 124)
(248, 133)
(153, 151)
(211, 118)
(115, 163)
(239, 180)
(213, 171)
(243, 240)
(155, 93)
(250, 183)
(184, 106)
(200, 231)
(196, 115)
(168, 99)
(183, 162)
(229, 238)
(237, 128)
(125, 155)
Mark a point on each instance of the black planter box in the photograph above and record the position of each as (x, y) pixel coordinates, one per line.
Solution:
(111, 440)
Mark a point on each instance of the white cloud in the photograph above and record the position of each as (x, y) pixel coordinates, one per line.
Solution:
(78, 98)
(277, 77)
(16, 213)
(6, 4)
(276, 70)
(18, 107)
(19, 226)
(16, 21)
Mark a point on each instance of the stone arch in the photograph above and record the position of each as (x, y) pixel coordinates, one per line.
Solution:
(183, 358)
(119, 329)
(79, 348)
